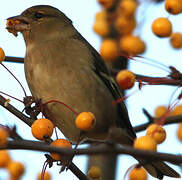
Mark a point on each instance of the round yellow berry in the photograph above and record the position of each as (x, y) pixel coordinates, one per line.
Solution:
(157, 132)
(127, 7)
(2, 55)
(42, 129)
(106, 3)
(63, 143)
(101, 27)
(177, 110)
(3, 137)
(125, 79)
(4, 158)
(101, 15)
(94, 172)
(85, 121)
(179, 131)
(173, 6)
(109, 49)
(176, 40)
(125, 25)
(47, 176)
(13, 178)
(138, 174)
(132, 45)
(145, 143)
(162, 27)
(16, 169)
(160, 111)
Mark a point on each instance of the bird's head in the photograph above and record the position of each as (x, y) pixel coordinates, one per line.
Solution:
(38, 20)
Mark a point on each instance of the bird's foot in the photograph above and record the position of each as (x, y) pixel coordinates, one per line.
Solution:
(32, 106)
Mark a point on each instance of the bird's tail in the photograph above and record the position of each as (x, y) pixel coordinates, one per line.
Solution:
(160, 169)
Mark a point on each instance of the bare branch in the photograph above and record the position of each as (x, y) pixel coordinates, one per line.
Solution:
(96, 150)
(16, 112)
(168, 120)
(14, 59)
(158, 80)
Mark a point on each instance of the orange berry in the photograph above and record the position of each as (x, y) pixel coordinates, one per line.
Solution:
(4, 158)
(177, 110)
(176, 40)
(94, 172)
(42, 129)
(132, 45)
(63, 143)
(101, 27)
(125, 79)
(47, 176)
(160, 111)
(106, 3)
(138, 174)
(14, 178)
(157, 132)
(127, 7)
(179, 131)
(173, 6)
(2, 55)
(10, 23)
(85, 121)
(16, 169)
(162, 27)
(145, 143)
(109, 49)
(101, 15)
(125, 25)
(3, 137)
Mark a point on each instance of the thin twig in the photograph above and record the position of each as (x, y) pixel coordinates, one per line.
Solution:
(158, 80)
(14, 59)
(77, 172)
(16, 112)
(169, 120)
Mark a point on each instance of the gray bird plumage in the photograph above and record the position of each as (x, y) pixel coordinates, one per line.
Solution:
(61, 65)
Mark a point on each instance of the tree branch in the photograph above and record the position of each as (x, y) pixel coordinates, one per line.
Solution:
(168, 120)
(16, 112)
(77, 172)
(29, 121)
(95, 150)
(14, 59)
(152, 80)
(158, 80)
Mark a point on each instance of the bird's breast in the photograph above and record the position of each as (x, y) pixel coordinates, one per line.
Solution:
(54, 73)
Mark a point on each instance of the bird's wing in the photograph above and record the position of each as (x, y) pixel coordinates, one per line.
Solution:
(99, 66)
(101, 70)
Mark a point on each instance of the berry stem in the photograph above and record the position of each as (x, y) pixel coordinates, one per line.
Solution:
(170, 107)
(43, 170)
(156, 63)
(15, 79)
(11, 96)
(124, 97)
(60, 102)
(52, 118)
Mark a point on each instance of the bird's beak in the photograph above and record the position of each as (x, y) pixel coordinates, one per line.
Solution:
(17, 24)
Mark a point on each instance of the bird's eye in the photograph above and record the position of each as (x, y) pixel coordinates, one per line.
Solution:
(38, 15)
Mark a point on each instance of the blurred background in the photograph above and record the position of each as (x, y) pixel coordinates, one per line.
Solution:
(82, 13)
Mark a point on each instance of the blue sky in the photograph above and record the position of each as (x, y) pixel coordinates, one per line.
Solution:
(82, 14)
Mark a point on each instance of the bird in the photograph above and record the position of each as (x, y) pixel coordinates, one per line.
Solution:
(60, 64)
